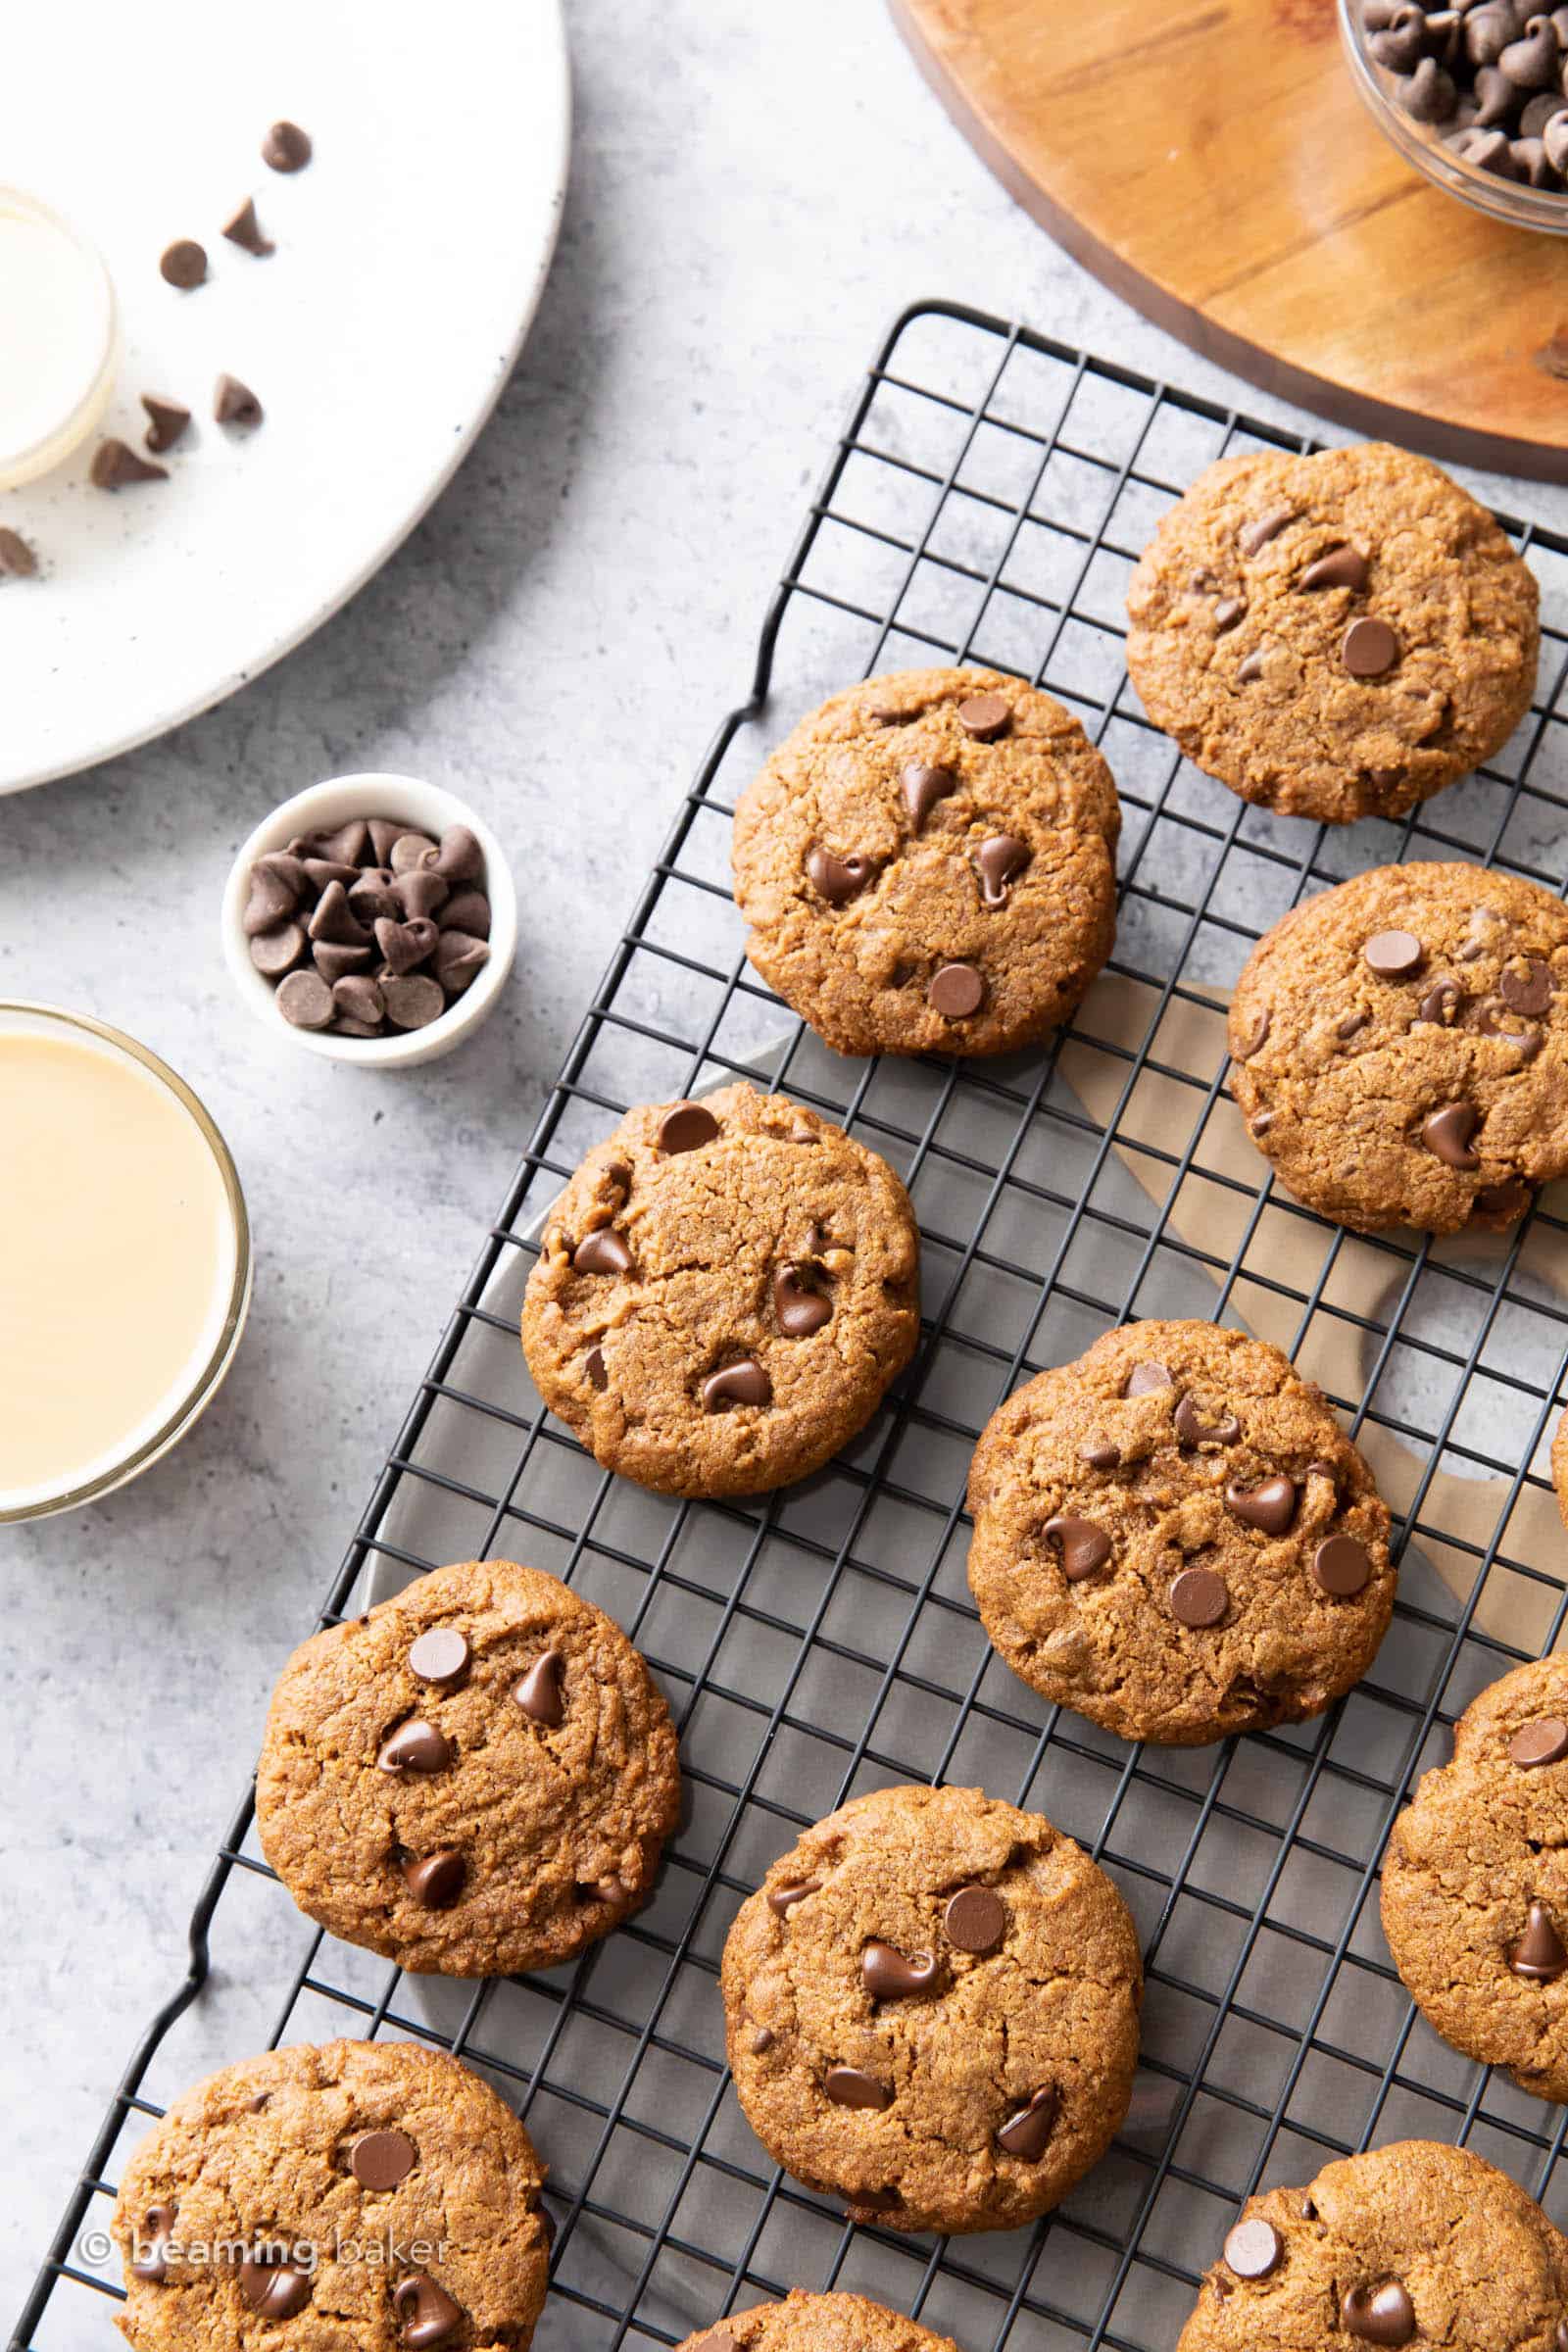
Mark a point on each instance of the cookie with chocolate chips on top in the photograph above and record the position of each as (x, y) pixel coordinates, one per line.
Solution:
(931, 2007)
(1173, 1537)
(1400, 1047)
(805, 2322)
(477, 1779)
(725, 1291)
(928, 865)
(1334, 636)
(1475, 1882)
(1412, 2244)
(362, 2195)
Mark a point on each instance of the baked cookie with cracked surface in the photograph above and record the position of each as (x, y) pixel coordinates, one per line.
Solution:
(805, 2322)
(1475, 1882)
(363, 2194)
(928, 865)
(1173, 1537)
(1400, 1047)
(1334, 636)
(477, 1779)
(931, 2007)
(725, 1291)
(1412, 2243)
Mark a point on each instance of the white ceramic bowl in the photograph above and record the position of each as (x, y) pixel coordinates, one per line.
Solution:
(426, 808)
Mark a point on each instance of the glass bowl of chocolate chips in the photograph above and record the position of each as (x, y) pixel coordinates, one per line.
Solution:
(1474, 94)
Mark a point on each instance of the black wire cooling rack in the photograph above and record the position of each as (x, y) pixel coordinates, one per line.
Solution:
(985, 501)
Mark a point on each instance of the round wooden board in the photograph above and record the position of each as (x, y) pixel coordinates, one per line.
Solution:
(1214, 164)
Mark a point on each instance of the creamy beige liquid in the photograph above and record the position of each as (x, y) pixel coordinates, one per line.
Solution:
(116, 1259)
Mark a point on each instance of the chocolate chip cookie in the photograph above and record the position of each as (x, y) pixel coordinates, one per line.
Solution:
(928, 865)
(1173, 1537)
(1475, 1882)
(932, 2010)
(1400, 1047)
(1335, 636)
(477, 1779)
(726, 1290)
(805, 2322)
(376, 2193)
(1412, 2244)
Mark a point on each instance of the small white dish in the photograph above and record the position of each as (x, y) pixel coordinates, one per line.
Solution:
(425, 808)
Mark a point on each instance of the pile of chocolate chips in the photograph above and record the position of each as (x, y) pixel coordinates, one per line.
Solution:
(370, 928)
(1491, 74)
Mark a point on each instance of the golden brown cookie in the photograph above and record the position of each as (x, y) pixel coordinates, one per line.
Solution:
(928, 865)
(1335, 636)
(364, 2195)
(1400, 1047)
(931, 2006)
(477, 1779)
(1559, 1465)
(1173, 1537)
(1412, 2243)
(805, 2322)
(1475, 1882)
(725, 1291)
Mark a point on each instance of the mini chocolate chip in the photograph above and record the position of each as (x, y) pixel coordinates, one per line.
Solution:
(305, 1001)
(1098, 1454)
(848, 2087)
(1198, 1598)
(1308, 2210)
(745, 1383)
(427, 2311)
(1253, 2248)
(783, 1899)
(166, 421)
(975, 1920)
(601, 1252)
(888, 1975)
(837, 879)
(1143, 1379)
(1254, 1038)
(1340, 1567)
(439, 1656)
(235, 402)
(1261, 1125)
(1447, 1133)
(242, 228)
(539, 1692)
(435, 1880)
(1528, 992)
(1379, 2315)
(1192, 1429)
(270, 2285)
(115, 464)
(1392, 955)
(1342, 567)
(1538, 1954)
(379, 2160)
(1269, 1507)
(1370, 647)
(1227, 613)
(685, 1127)
(1000, 860)
(1251, 668)
(956, 992)
(1324, 1470)
(762, 2042)
(1352, 1024)
(415, 1748)
(984, 716)
(1027, 2132)
(1255, 536)
(594, 1366)
(1545, 1740)
(1084, 1547)
(800, 1310)
(286, 148)
(1441, 1001)
(149, 2261)
(924, 786)
(182, 264)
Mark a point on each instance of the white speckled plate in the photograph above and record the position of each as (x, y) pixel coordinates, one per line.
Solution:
(410, 256)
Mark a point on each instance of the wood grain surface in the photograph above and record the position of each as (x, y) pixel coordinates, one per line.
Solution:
(1213, 162)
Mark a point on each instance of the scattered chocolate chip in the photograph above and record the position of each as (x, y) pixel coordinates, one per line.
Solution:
(166, 420)
(148, 2257)
(888, 1975)
(413, 1001)
(272, 2286)
(305, 1001)
(1227, 613)
(1340, 1567)
(984, 716)
(416, 1747)
(435, 1880)
(762, 2042)
(1251, 668)
(922, 787)
(1541, 1742)
(380, 2160)
(1253, 2249)
(1538, 1954)
(956, 992)
(1257, 1037)
(427, 2311)
(439, 1656)
(1308, 2210)
(1528, 992)
(1324, 1470)
(798, 1310)
(540, 1691)
(274, 952)
(1143, 1379)
(1192, 1429)
(745, 1383)
(242, 228)
(1441, 1003)
(286, 148)
(1269, 1507)
(999, 860)
(594, 1366)
(1084, 1547)
(115, 464)
(182, 264)
(1370, 649)
(1098, 1454)
(1392, 955)
(1342, 567)
(17, 559)
(783, 1899)
(1198, 1598)
(601, 1252)
(839, 879)
(1448, 1132)
(1501, 1204)
(975, 1920)
(685, 1127)
(1352, 1024)
(1026, 2134)
(1379, 2315)
(1255, 536)
(848, 2087)
(235, 402)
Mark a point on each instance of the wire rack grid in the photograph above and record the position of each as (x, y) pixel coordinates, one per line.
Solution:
(985, 502)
